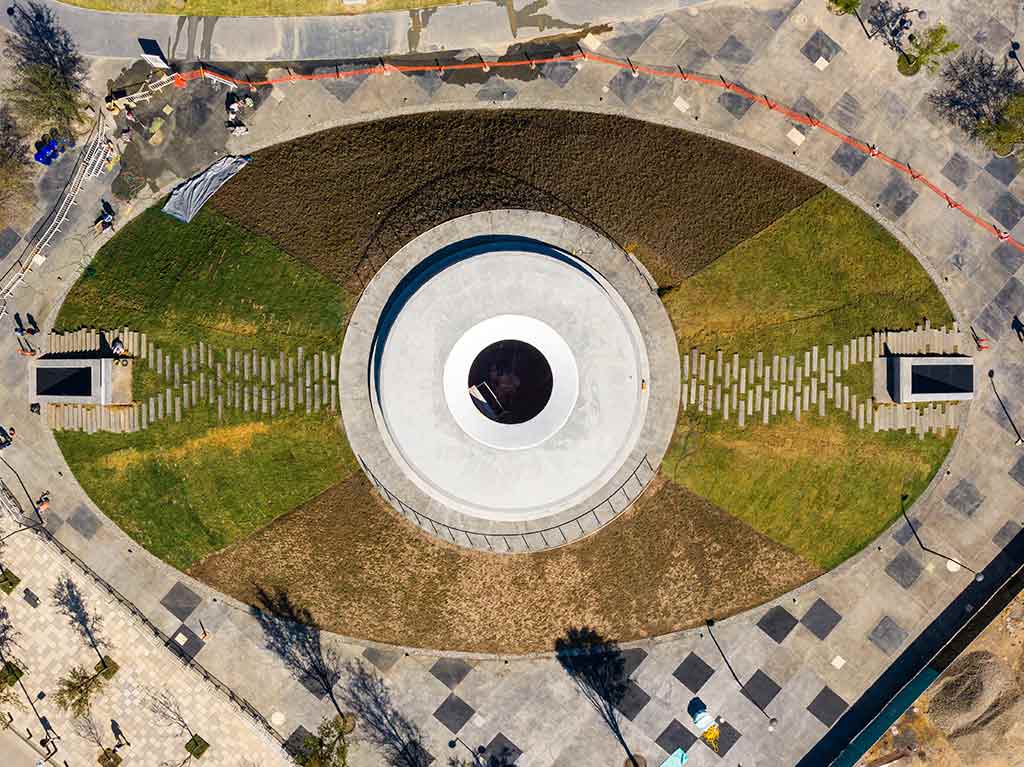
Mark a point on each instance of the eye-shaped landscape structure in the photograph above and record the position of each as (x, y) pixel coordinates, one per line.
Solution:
(557, 368)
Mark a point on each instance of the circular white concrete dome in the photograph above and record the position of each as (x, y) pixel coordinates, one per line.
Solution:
(468, 405)
(474, 294)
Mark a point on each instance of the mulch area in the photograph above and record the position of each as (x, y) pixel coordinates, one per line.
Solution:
(668, 564)
(346, 199)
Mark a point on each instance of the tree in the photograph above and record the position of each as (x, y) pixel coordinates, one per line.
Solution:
(38, 95)
(293, 635)
(165, 707)
(328, 748)
(597, 667)
(384, 726)
(76, 691)
(9, 697)
(1003, 136)
(975, 92)
(85, 727)
(927, 50)
(40, 40)
(844, 6)
(15, 186)
(69, 602)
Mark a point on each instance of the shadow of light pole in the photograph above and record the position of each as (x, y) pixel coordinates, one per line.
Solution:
(992, 380)
(710, 623)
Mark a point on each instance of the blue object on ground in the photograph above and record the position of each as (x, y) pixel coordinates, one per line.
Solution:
(678, 759)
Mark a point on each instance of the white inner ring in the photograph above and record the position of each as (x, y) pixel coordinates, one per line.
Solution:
(564, 374)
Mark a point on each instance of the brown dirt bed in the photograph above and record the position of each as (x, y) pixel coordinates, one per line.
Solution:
(354, 564)
(346, 199)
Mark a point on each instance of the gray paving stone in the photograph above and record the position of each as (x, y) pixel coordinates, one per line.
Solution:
(820, 46)
(761, 689)
(344, 89)
(52, 521)
(454, 712)
(904, 569)
(559, 72)
(633, 701)
(496, 89)
(805, 106)
(85, 522)
(734, 52)
(185, 642)
(1017, 472)
(382, 659)
(501, 752)
(8, 240)
(888, 635)
(897, 196)
(450, 671)
(1007, 210)
(1007, 533)
(849, 159)
(1003, 169)
(1008, 257)
(180, 601)
(905, 533)
(691, 57)
(634, 36)
(675, 736)
(848, 112)
(735, 104)
(777, 623)
(627, 87)
(994, 36)
(1010, 299)
(965, 498)
(430, 82)
(821, 619)
(693, 672)
(827, 707)
(958, 169)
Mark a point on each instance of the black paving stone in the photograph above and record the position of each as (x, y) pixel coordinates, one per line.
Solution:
(1007, 210)
(501, 752)
(777, 623)
(295, 745)
(897, 197)
(1007, 533)
(633, 701)
(805, 106)
(827, 707)
(849, 159)
(734, 52)
(430, 82)
(496, 90)
(85, 522)
(8, 240)
(454, 712)
(735, 104)
(344, 88)
(904, 533)
(847, 112)
(185, 642)
(761, 689)
(1003, 169)
(559, 72)
(675, 736)
(888, 635)
(1008, 257)
(692, 57)
(904, 569)
(631, 660)
(693, 672)
(821, 619)
(820, 46)
(965, 497)
(450, 671)
(180, 601)
(382, 659)
(627, 87)
(52, 521)
(1017, 472)
(727, 738)
(957, 169)
(991, 321)
(1010, 299)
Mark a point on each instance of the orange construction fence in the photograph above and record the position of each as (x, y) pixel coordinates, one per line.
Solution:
(677, 73)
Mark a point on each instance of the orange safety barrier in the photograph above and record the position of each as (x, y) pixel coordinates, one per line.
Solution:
(182, 79)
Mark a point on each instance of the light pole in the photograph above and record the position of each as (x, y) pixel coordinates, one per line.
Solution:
(477, 761)
(1013, 54)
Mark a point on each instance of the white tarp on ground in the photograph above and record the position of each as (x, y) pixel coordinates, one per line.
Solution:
(189, 196)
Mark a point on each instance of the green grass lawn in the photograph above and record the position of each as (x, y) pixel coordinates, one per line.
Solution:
(208, 280)
(186, 489)
(823, 273)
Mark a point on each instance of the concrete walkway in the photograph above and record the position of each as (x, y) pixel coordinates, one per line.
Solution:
(491, 24)
(802, 659)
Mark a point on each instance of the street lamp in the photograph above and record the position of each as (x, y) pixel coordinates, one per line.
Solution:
(477, 761)
(1013, 54)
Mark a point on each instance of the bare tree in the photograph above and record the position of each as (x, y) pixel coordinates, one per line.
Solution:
(69, 601)
(597, 667)
(291, 632)
(975, 91)
(165, 707)
(76, 691)
(8, 641)
(384, 726)
(85, 727)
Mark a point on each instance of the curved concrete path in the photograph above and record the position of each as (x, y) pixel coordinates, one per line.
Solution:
(814, 651)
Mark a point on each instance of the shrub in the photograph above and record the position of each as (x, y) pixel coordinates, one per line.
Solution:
(844, 6)
(107, 668)
(196, 746)
(1003, 136)
(9, 581)
(10, 674)
(109, 758)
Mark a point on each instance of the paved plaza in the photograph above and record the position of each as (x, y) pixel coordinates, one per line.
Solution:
(804, 659)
